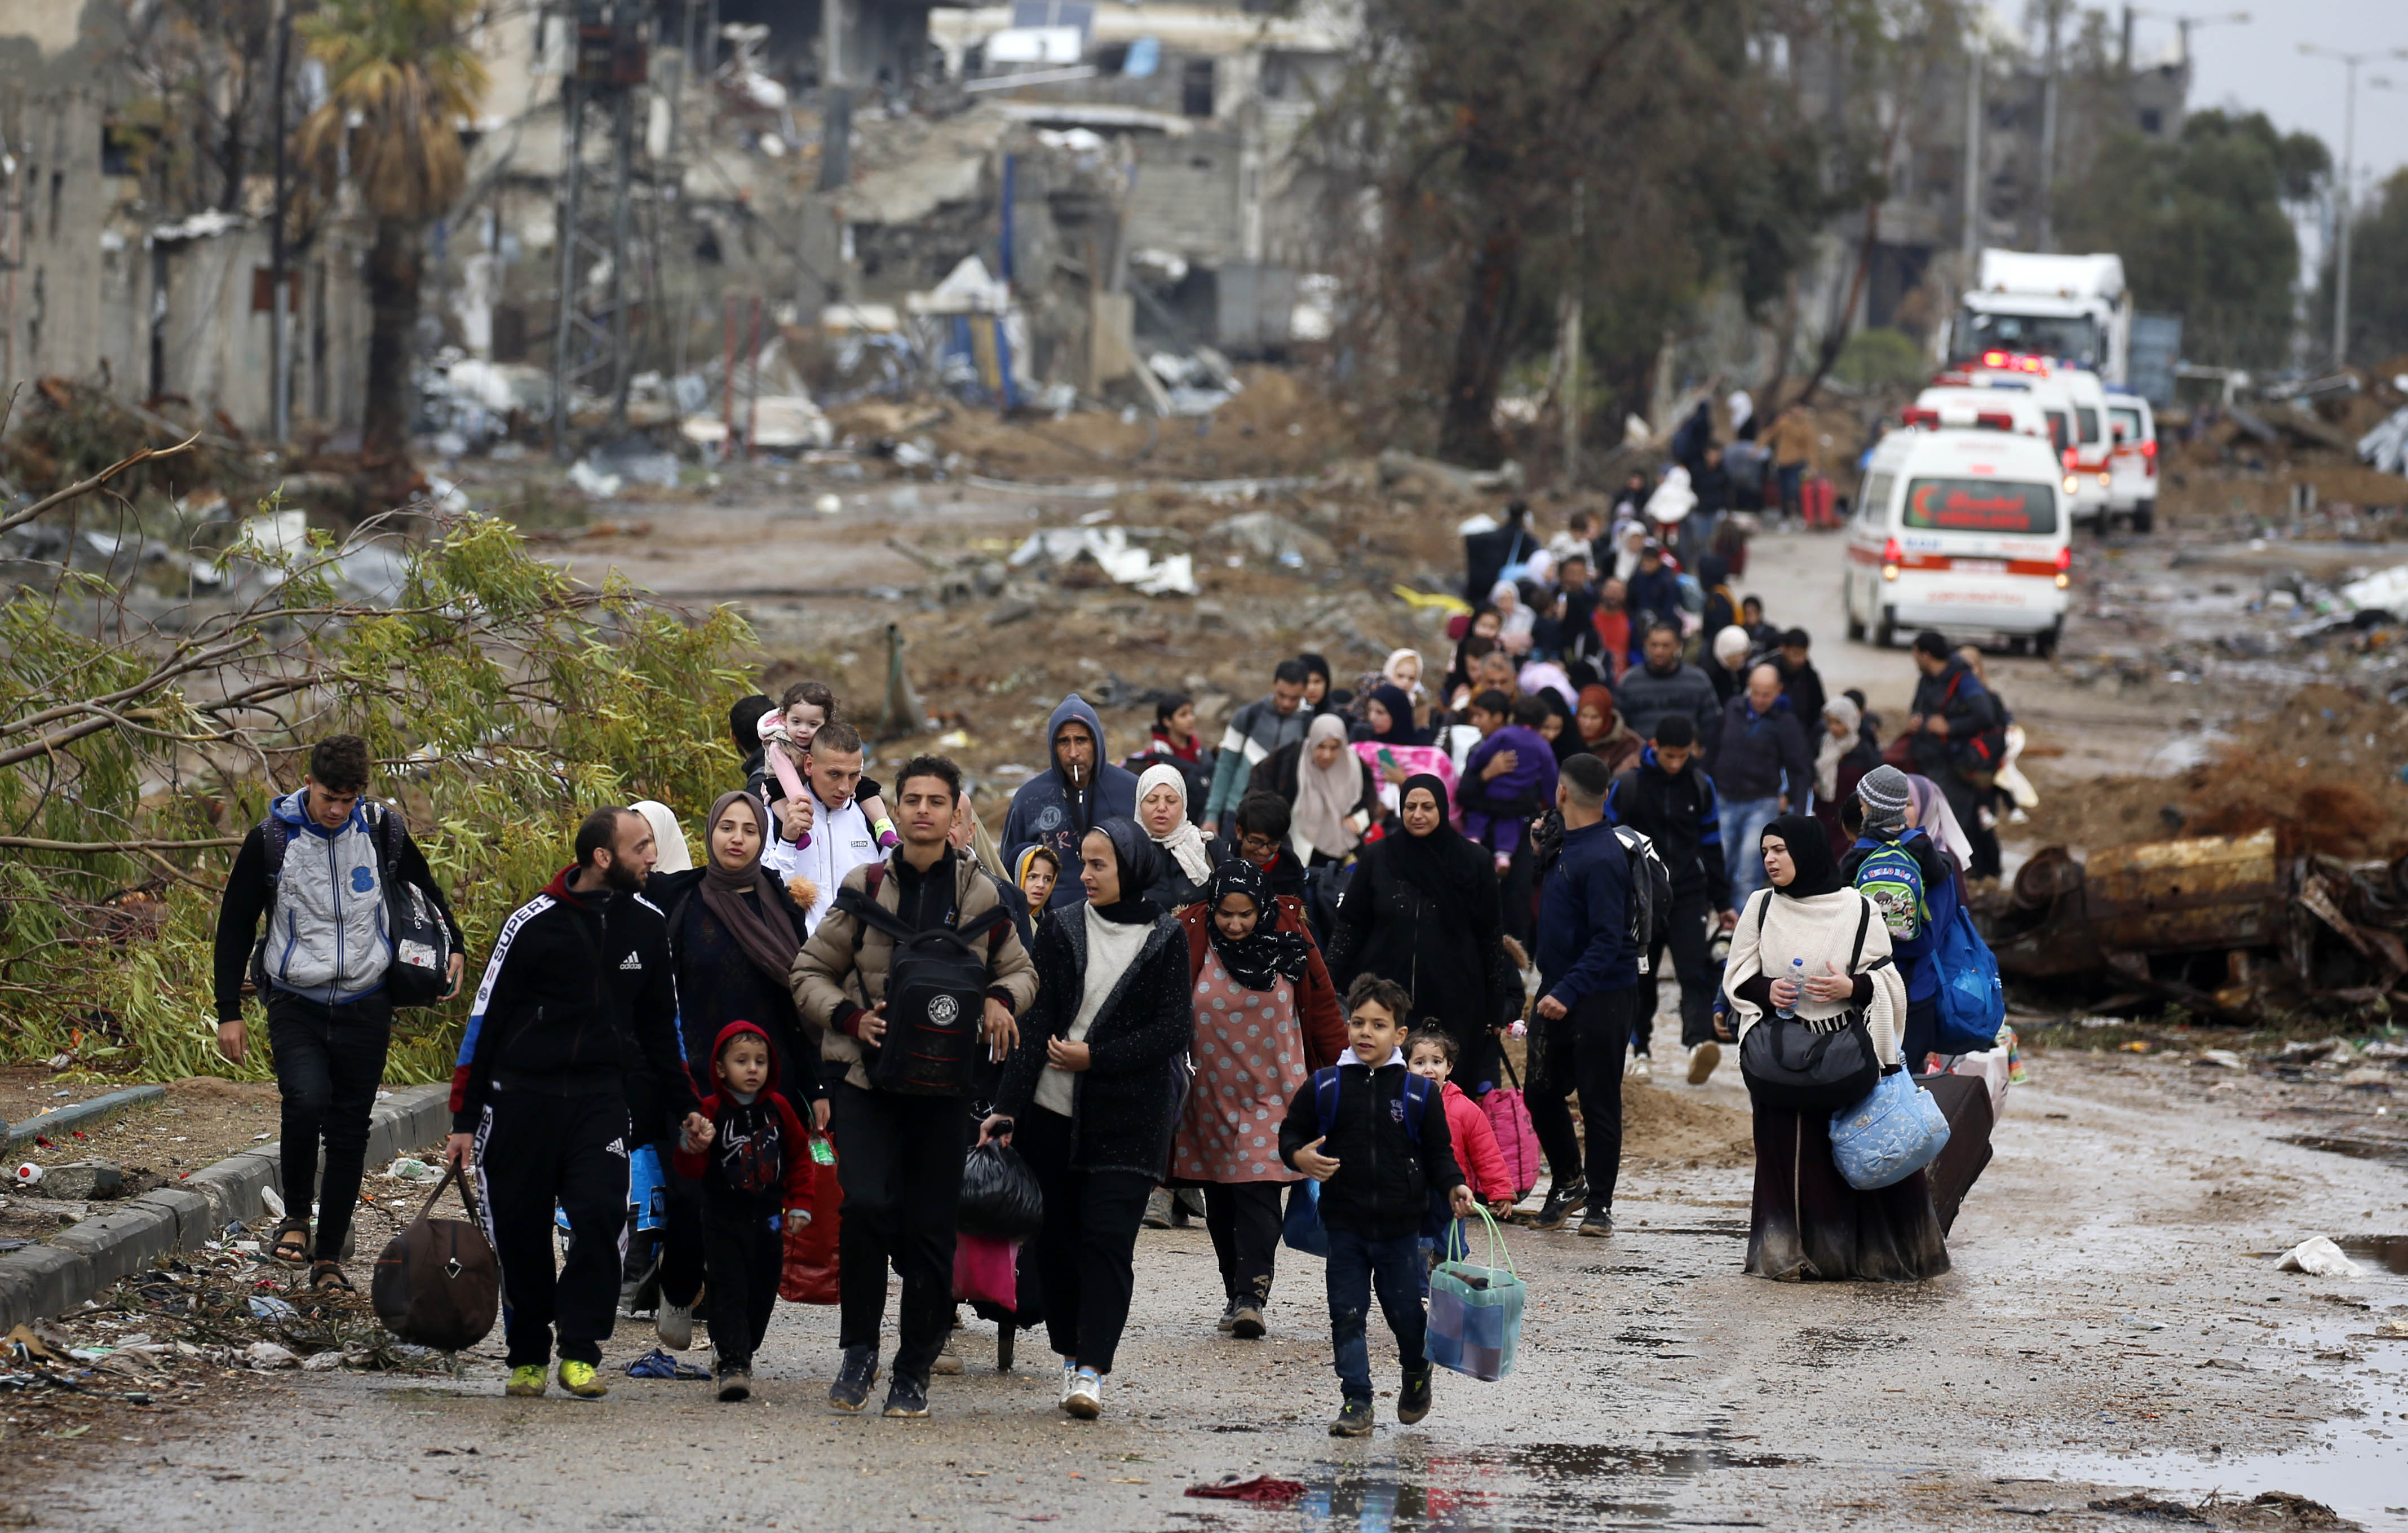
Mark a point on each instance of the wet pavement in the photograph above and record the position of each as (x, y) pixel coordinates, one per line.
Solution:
(2112, 1321)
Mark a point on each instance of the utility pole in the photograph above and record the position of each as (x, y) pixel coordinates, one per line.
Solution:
(1569, 402)
(2342, 191)
(2048, 91)
(592, 350)
(280, 338)
(1977, 61)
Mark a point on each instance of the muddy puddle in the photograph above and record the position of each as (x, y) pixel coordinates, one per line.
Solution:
(1530, 1488)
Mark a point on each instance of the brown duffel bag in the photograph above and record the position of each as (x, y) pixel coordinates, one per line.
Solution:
(438, 1283)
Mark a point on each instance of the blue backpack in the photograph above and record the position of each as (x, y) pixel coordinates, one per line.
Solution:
(1973, 1001)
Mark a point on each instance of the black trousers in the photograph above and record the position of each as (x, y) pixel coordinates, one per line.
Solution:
(1243, 1219)
(1583, 1052)
(1517, 888)
(533, 1152)
(1088, 1247)
(899, 1161)
(329, 1059)
(742, 1255)
(1691, 944)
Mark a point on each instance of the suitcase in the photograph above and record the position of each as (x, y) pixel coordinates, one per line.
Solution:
(1965, 1100)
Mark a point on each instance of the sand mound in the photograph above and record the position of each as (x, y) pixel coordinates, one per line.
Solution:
(1672, 1125)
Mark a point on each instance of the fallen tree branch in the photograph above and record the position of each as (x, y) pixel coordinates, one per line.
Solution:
(96, 849)
(60, 498)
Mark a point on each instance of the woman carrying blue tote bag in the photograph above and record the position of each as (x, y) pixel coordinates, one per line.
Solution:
(1796, 950)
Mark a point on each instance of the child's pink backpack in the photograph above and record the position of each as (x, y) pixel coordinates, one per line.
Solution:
(1517, 1141)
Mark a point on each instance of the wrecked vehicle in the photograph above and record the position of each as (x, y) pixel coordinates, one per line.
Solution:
(2230, 927)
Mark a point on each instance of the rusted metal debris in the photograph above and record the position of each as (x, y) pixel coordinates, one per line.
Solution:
(2227, 925)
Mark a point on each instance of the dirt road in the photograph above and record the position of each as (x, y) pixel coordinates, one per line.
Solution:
(2107, 1324)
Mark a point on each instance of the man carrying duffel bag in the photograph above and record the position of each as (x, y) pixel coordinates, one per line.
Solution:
(915, 946)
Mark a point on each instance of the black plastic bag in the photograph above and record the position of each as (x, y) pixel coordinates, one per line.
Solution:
(1000, 1198)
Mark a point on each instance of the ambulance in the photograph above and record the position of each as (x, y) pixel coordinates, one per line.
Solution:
(1968, 531)
(2075, 403)
(2132, 486)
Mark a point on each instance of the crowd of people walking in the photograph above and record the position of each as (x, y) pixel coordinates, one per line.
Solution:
(1312, 953)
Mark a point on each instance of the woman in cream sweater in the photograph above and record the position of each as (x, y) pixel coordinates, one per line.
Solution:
(1808, 1224)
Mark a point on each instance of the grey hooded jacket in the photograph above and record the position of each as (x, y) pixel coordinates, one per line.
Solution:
(1048, 811)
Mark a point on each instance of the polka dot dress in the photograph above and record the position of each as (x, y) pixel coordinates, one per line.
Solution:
(1249, 1056)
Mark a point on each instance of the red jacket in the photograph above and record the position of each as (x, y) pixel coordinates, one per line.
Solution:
(760, 1148)
(1475, 1147)
(1318, 1015)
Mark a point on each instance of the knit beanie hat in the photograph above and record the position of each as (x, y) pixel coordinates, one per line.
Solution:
(1884, 791)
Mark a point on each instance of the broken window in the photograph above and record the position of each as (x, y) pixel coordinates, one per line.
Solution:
(1196, 88)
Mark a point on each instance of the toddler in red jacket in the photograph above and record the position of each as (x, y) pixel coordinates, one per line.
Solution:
(754, 1160)
(1432, 1052)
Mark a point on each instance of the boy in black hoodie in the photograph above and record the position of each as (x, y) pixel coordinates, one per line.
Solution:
(754, 1159)
(1373, 1134)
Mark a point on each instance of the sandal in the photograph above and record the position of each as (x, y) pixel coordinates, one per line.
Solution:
(326, 1277)
(290, 1244)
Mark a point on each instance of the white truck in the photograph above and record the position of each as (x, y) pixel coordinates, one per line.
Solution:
(2071, 309)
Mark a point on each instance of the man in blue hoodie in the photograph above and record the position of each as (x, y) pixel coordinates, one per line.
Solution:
(1588, 990)
(1057, 807)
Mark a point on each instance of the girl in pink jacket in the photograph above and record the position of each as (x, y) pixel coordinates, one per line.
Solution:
(1432, 1052)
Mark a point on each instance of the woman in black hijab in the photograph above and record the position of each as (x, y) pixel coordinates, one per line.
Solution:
(1089, 1093)
(1423, 910)
(1810, 942)
(1389, 718)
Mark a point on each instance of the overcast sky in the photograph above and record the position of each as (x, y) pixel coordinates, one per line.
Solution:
(2258, 64)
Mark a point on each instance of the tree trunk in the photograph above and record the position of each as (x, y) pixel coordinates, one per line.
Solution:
(393, 308)
(1468, 434)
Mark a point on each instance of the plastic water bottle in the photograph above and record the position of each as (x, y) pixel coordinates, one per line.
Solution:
(1798, 977)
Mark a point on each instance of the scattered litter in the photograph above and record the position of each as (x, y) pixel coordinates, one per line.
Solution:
(594, 482)
(2142, 1323)
(269, 1308)
(409, 1168)
(273, 1201)
(267, 1354)
(1262, 1487)
(2318, 1258)
(657, 1364)
(2225, 1057)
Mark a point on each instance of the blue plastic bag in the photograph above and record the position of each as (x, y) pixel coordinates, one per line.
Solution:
(1475, 1311)
(1972, 1002)
(1301, 1230)
(1896, 1131)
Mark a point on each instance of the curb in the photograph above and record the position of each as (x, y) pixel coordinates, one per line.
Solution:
(80, 1114)
(42, 1281)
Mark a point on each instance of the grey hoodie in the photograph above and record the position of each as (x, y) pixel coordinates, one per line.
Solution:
(1048, 811)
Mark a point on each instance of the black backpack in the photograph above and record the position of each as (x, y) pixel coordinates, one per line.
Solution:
(935, 995)
(1651, 896)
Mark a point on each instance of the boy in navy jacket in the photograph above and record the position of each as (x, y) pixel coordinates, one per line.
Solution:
(1373, 1134)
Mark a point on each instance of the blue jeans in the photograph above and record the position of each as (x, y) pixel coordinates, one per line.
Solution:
(1742, 826)
(1355, 1264)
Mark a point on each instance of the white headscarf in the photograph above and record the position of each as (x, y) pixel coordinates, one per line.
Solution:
(1184, 843)
(1325, 797)
(1937, 820)
(1388, 671)
(667, 834)
(1827, 756)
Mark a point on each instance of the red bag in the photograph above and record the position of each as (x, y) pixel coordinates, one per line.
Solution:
(986, 1270)
(1900, 753)
(1517, 1140)
(809, 1274)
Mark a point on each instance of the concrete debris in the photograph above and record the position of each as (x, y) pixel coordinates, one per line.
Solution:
(1398, 467)
(595, 483)
(2386, 446)
(2385, 591)
(1275, 536)
(1109, 549)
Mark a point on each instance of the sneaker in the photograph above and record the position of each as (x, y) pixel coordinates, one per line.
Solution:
(525, 1383)
(735, 1384)
(1414, 1400)
(1354, 1420)
(1070, 1382)
(580, 1380)
(1561, 1199)
(1246, 1325)
(1598, 1221)
(1084, 1398)
(850, 1391)
(674, 1324)
(1702, 1060)
(1157, 1209)
(1637, 1068)
(906, 1398)
(1228, 1320)
(948, 1362)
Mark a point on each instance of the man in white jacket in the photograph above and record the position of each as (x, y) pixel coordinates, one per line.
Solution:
(840, 838)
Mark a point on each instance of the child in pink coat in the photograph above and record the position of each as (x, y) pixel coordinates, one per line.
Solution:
(1430, 1052)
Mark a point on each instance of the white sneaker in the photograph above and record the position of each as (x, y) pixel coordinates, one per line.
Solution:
(1084, 1398)
(1637, 1068)
(674, 1324)
(1070, 1382)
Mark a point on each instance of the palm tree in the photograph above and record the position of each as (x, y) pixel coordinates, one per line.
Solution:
(400, 79)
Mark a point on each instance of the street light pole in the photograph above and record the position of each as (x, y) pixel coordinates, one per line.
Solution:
(2342, 195)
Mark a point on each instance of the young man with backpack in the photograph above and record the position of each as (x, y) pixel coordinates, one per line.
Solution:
(1668, 799)
(577, 998)
(324, 866)
(914, 946)
(1953, 726)
(1588, 989)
